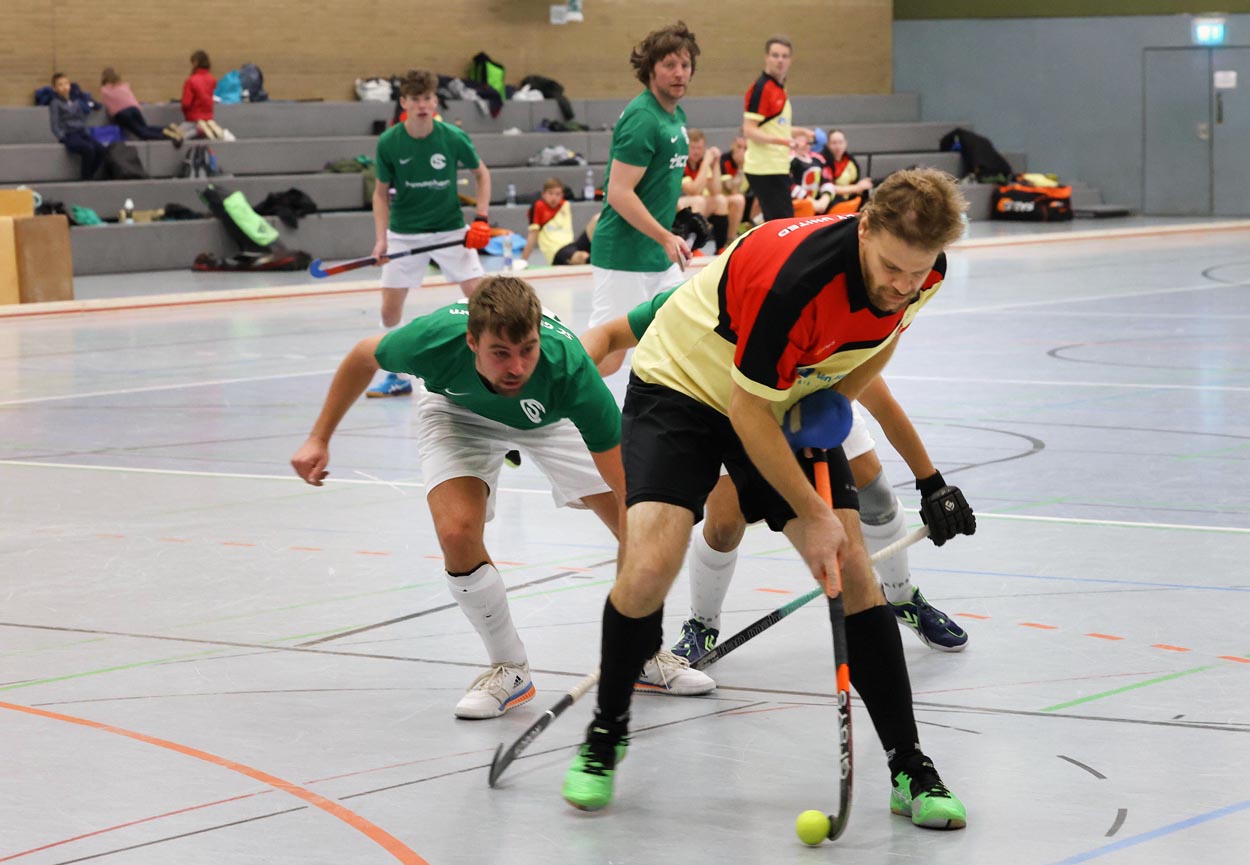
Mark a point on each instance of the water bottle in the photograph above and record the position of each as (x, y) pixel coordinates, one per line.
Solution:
(512, 195)
(128, 212)
(588, 191)
(507, 253)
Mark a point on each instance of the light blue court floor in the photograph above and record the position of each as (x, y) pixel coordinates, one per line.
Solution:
(205, 661)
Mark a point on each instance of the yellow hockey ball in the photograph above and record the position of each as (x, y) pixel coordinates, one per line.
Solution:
(812, 827)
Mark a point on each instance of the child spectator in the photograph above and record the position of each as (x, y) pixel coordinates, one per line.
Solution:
(69, 124)
(122, 106)
(551, 228)
(197, 96)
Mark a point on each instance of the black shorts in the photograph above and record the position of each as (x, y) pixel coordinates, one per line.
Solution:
(673, 447)
(565, 253)
(773, 192)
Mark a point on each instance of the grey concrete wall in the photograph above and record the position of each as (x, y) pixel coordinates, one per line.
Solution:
(1065, 91)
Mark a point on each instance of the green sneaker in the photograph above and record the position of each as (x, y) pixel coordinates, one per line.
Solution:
(920, 794)
(588, 783)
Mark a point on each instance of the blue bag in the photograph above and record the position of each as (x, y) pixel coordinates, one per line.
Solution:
(229, 89)
(106, 134)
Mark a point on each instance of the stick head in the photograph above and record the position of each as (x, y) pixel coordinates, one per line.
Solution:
(317, 270)
(495, 769)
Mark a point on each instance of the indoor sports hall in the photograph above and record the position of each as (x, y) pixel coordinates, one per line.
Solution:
(204, 660)
(186, 622)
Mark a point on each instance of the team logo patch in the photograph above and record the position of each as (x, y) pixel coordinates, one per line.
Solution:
(534, 410)
(438, 161)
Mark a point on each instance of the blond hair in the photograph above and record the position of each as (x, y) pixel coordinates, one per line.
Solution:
(920, 206)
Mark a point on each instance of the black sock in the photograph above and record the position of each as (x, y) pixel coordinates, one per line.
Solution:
(879, 674)
(626, 645)
(720, 230)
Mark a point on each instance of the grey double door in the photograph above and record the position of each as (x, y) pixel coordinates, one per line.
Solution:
(1197, 135)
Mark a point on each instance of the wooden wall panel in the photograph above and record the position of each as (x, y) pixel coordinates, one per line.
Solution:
(316, 48)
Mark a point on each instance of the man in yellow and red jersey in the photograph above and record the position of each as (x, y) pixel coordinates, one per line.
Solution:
(791, 308)
(769, 133)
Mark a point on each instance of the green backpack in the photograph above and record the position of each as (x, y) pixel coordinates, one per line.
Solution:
(483, 69)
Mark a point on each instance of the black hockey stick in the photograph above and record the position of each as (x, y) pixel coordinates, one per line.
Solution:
(504, 757)
(761, 625)
(837, 620)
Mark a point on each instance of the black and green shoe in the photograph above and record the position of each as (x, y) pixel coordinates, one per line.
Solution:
(920, 794)
(588, 783)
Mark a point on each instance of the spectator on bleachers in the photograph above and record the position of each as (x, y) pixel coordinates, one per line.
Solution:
(197, 97)
(68, 119)
(123, 108)
(809, 191)
(769, 132)
(702, 188)
(551, 228)
(734, 181)
(850, 187)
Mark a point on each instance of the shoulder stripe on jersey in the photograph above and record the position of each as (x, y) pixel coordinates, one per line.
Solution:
(756, 94)
(802, 277)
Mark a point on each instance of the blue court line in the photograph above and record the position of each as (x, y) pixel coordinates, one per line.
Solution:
(1153, 834)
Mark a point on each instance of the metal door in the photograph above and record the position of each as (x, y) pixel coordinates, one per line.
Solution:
(1178, 107)
(1230, 131)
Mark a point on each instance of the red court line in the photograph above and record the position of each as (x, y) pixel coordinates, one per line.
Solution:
(307, 549)
(1038, 625)
(1235, 658)
(1168, 648)
(971, 616)
(375, 833)
(236, 544)
(776, 591)
(1104, 636)
(371, 553)
(168, 541)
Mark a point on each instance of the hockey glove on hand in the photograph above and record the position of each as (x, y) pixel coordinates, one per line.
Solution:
(478, 234)
(944, 510)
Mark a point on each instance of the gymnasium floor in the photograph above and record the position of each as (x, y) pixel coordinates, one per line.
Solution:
(199, 662)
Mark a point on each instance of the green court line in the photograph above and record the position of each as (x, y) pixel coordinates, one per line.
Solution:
(1148, 682)
(150, 663)
(1059, 500)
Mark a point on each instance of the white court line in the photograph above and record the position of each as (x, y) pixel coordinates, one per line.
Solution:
(1123, 523)
(420, 484)
(1053, 301)
(179, 386)
(1102, 234)
(1046, 383)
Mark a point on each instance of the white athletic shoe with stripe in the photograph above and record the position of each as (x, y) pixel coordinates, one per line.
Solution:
(502, 687)
(666, 673)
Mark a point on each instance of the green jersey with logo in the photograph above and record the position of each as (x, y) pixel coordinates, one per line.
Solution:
(649, 137)
(565, 384)
(423, 172)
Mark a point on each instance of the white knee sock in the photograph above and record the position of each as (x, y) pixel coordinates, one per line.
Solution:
(484, 601)
(894, 574)
(710, 574)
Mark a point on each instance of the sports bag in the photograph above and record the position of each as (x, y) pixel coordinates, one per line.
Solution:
(1024, 203)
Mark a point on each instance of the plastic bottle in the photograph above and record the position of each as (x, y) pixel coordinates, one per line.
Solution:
(512, 195)
(588, 191)
(128, 212)
(507, 253)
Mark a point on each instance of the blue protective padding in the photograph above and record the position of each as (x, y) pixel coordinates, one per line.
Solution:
(821, 420)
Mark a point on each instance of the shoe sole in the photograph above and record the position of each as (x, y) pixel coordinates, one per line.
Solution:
(518, 700)
(378, 395)
(948, 823)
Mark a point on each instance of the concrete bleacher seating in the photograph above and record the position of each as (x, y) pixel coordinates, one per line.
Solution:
(282, 145)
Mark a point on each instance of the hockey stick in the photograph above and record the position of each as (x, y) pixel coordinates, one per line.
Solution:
(320, 272)
(759, 626)
(837, 620)
(503, 757)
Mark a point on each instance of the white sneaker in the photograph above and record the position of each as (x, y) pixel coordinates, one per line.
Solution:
(668, 674)
(499, 689)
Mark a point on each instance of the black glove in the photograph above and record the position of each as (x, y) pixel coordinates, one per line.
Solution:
(944, 510)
